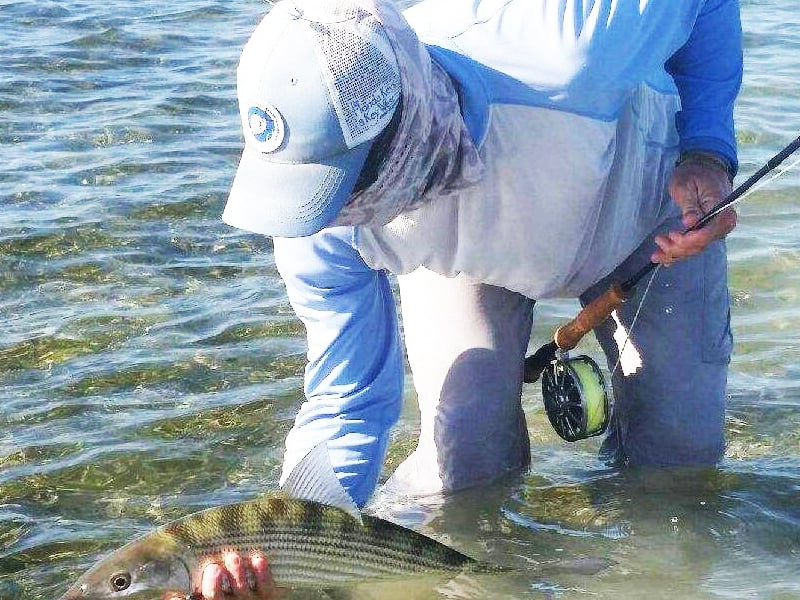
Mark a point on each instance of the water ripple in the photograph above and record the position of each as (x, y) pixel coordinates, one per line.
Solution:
(150, 363)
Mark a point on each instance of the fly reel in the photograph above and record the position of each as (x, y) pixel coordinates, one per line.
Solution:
(575, 397)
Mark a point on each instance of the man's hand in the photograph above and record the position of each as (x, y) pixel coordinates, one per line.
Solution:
(238, 577)
(696, 186)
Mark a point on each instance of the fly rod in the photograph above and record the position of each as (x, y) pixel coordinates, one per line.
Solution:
(598, 310)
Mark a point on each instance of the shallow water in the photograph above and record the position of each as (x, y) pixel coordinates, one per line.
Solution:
(150, 364)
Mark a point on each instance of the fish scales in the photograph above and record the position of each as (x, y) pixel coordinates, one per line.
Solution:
(306, 542)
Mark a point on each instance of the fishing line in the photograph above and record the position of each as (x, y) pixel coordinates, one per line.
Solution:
(629, 331)
(764, 182)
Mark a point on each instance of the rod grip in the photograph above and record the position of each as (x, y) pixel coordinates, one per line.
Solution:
(598, 310)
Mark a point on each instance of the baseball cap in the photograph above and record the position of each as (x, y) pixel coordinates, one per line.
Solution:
(317, 82)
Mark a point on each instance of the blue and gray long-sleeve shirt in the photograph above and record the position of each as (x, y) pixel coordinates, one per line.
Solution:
(577, 109)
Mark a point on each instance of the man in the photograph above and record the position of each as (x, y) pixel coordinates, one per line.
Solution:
(526, 150)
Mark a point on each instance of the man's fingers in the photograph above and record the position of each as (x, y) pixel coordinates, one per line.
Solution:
(265, 584)
(238, 576)
(725, 222)
(675, 245)
(215, 582)
(239, 572)
(263, 578)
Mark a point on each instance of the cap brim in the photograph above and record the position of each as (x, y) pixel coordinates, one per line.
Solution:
(291, 200)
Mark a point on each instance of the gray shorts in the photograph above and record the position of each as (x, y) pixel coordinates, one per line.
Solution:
(466, 343)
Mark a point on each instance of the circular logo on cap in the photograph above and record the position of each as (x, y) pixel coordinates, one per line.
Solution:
(267, 126)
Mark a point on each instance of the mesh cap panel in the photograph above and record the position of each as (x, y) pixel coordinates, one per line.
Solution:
(360, 70)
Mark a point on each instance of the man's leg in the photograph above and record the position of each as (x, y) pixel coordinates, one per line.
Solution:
(671, 411)
(466, 344)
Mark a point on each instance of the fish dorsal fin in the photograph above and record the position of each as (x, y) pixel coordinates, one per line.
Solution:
(314, 479)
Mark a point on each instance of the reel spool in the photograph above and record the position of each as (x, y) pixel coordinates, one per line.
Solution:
(575, 397)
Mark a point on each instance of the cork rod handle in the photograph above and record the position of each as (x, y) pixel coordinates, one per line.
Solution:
(598, 310)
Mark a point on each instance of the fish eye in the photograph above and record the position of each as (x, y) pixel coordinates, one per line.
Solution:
(120, 582)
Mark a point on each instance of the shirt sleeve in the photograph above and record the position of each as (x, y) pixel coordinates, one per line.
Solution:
(354, 375)
(707, 70)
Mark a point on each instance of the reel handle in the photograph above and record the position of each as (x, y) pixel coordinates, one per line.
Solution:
(598, 310)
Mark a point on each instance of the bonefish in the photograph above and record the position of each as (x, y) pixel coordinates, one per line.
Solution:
(312, 535)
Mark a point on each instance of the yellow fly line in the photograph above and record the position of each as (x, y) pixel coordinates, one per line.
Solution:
(593, 392)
